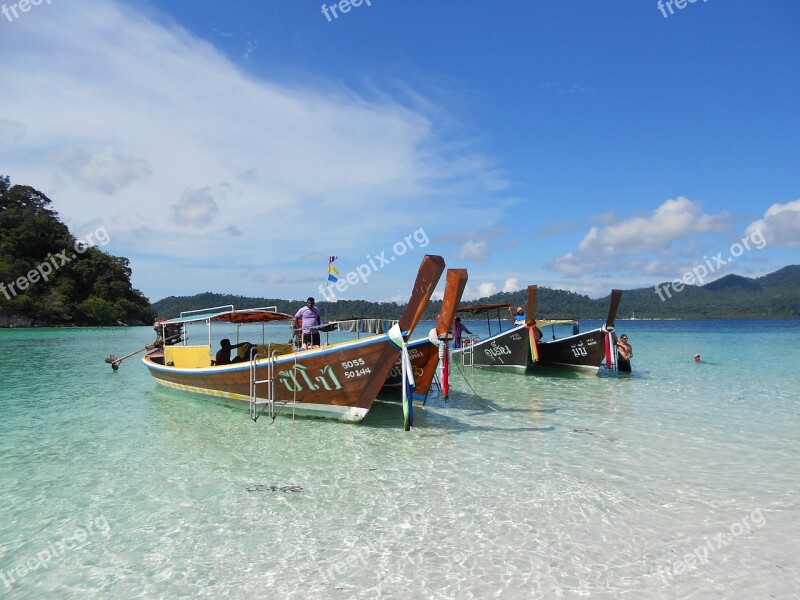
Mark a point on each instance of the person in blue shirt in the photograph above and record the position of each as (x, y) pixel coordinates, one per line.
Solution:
(519, 319)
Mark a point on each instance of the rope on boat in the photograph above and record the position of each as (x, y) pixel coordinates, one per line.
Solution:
(294, 411)
(294, 404)
(477, 395)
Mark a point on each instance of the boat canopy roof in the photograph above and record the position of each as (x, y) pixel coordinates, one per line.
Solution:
(230, 315)
(479, 309)
(547, 322)
(482, 308)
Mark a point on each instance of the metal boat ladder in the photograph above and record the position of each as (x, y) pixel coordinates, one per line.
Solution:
(265, 394)
(468, 353)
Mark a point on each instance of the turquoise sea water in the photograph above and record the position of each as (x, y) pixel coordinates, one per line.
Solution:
(681, 481)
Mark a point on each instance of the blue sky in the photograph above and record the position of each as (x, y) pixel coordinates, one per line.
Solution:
(234, 146)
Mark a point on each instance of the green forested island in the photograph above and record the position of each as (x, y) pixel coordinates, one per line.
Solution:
(776, 295)
(48, 277)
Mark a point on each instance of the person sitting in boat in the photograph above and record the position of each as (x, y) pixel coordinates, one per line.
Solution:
(224, 353)
(307, 319)
(519, 318)
(458, 329)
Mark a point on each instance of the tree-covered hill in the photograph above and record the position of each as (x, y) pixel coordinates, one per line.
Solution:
(48, 278)
(771, 296)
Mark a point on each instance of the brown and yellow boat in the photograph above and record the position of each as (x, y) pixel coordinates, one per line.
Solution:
(338, 381)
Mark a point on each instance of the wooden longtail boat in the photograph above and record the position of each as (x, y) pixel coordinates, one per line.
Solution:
(523, 348)
(339, 381)
(425, 352)
(504, 350)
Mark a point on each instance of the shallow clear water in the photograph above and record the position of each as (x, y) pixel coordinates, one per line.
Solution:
(681, 481)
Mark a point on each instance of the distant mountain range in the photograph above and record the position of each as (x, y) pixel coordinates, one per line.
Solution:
(775, 295)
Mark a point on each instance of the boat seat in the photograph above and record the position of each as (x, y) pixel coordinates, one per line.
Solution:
(188, 357)
(278, 349)
(265, 350)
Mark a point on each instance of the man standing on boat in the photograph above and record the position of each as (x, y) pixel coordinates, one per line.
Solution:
(307, 318)
(458, 330)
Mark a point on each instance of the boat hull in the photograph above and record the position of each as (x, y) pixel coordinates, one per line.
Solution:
(424, 360)
(511, 351)
(582, 352)
(507, 351)
(339, 382)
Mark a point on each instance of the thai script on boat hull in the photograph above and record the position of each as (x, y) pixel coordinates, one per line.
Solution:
(496, 351)
(298, 379)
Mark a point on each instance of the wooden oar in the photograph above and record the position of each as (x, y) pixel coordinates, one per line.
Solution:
(114, 361)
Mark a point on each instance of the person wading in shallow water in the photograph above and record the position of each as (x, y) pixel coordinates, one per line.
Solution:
(624, 354)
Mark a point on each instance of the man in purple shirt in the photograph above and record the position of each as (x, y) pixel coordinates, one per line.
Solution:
(306, 318)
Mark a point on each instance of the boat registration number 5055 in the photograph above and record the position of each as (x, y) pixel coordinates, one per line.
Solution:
(352, 370)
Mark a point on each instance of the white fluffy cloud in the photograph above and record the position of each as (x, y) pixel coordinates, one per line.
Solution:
(472, 292)
(780, 225)
(511, 284)
(106, 171)
(200, 207)
(486, 289)
(474, 250)
(119, 117)
(635, 238)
